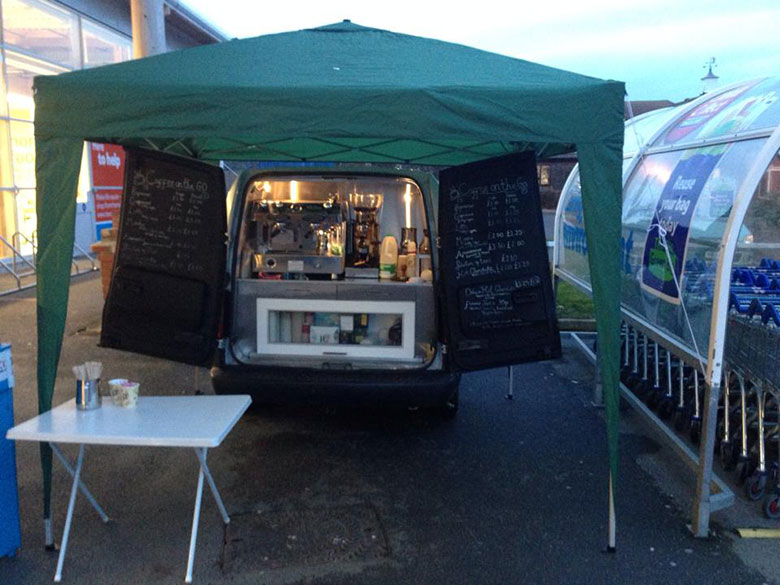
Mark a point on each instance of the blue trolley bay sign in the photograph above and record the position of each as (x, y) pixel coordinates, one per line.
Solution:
(10, 534)
(667, 237)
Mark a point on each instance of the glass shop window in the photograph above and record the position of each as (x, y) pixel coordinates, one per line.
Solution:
(23, 153)
(102, 46)
(42, 29)
(27, 218)
(21, 70)
(6, 176)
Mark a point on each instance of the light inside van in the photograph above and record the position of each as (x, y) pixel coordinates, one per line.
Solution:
(408, 203)
(293, 190)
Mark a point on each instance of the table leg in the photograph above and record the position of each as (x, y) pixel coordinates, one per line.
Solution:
(201, 453)
(73, 491)
(90, 498)
(195, 520)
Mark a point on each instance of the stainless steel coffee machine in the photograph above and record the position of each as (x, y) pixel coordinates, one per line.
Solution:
(298, 236)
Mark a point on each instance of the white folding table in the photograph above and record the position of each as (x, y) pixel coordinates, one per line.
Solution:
(199, 422)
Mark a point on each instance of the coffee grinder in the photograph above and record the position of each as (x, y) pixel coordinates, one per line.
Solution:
(365, 231)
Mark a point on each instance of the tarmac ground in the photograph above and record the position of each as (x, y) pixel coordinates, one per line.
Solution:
(510, 492)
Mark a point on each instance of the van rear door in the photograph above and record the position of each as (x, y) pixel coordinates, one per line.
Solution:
(496, 284)
(165, 297)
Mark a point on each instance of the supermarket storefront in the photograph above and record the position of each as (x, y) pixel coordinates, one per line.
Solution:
(41, 37)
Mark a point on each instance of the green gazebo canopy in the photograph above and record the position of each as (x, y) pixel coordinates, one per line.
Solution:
(337, 93)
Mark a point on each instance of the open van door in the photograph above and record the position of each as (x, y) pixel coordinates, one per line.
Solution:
(496, 282)
(165, 297)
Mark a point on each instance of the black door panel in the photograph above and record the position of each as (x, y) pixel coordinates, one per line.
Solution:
(498, 298)
(166, 290)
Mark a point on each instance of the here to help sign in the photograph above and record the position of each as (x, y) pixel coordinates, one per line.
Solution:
(108, 170)
(6, 367)
(108, 164)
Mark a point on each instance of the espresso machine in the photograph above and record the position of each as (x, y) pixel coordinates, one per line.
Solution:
(365, 237)
(298, 236)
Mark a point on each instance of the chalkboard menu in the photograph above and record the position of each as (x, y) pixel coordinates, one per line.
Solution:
(496, 277)
(166, 215)
(168, 277)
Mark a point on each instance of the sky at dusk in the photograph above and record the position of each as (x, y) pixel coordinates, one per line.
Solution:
(658, 47)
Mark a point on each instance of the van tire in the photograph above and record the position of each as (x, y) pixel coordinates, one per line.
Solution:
(449, 408)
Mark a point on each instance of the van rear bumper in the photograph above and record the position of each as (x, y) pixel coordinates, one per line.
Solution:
(279, 385)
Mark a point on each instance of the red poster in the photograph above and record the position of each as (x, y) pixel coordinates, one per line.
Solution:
(107, 203)
(108, 164)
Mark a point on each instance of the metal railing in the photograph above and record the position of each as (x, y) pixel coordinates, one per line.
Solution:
(20, 265)
(19, 240)
(87, 255)
(17, 258)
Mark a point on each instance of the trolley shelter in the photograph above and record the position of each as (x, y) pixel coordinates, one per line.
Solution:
(700, 249)
(339, 93)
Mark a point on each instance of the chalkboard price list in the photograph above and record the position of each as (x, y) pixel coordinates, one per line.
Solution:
(489, 232)
(495, 305)
(164, 220)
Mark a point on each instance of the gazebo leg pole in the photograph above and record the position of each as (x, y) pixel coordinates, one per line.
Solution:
(612, 528)
(48, 534)
(702, 506)
(598, 387)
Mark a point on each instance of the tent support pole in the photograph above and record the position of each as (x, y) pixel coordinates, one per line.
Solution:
(612, 529)
(702, 506)
(598, 385)
(598, 393)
